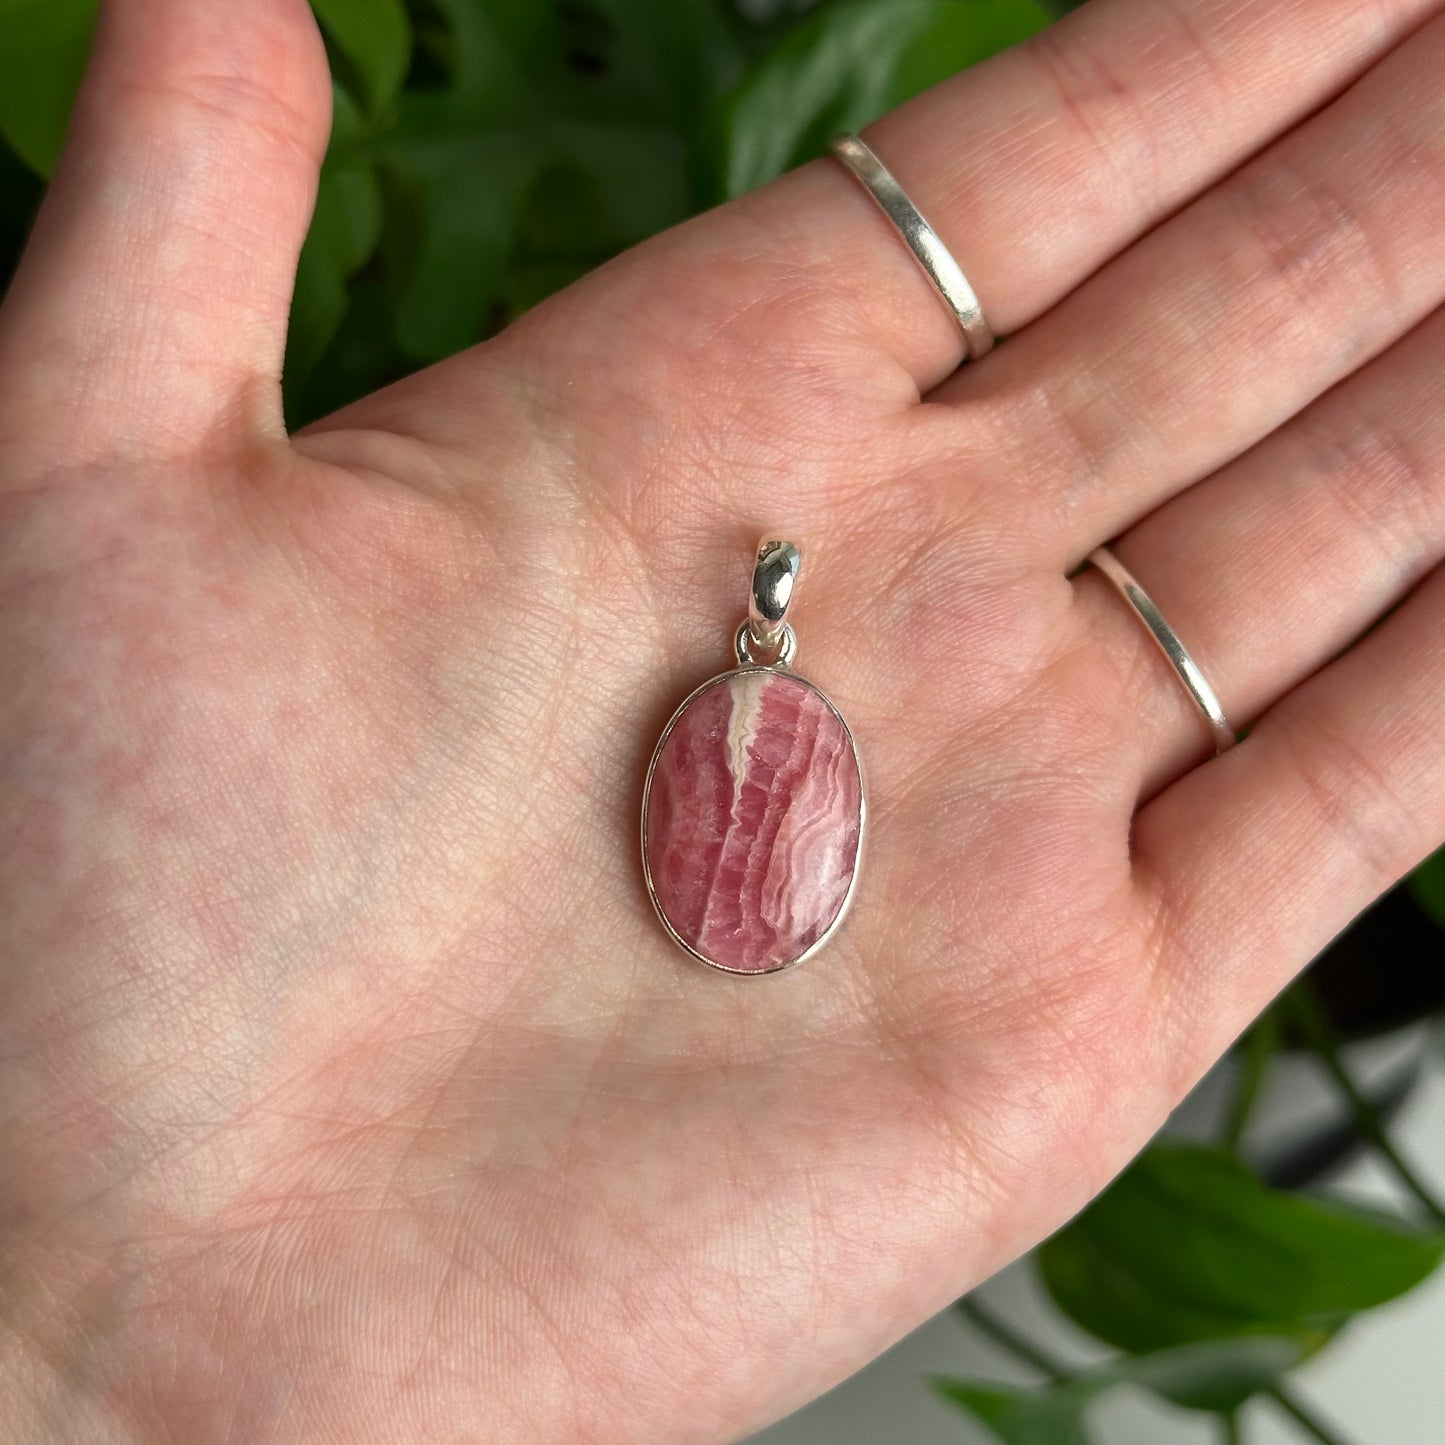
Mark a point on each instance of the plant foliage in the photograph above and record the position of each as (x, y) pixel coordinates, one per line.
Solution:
(1211, 1284)
(1188, 1245)
(486, 152)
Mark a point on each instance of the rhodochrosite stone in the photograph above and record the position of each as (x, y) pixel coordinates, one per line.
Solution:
(753, 819)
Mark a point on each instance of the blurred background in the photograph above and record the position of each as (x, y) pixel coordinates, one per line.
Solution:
(1268, 1270)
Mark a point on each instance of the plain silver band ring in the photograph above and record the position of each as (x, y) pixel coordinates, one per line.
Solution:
(928, 250)
(1204, 696)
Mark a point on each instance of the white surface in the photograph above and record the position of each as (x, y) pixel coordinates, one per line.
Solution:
(1381, 1383)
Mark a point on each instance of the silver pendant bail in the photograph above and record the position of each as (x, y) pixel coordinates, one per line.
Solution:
(775, 585)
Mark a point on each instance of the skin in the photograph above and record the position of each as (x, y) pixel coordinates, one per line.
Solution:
(348, 1089)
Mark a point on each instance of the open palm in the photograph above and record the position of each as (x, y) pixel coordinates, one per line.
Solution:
(350, 1090)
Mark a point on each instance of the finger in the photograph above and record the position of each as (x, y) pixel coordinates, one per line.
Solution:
(150, 306)
(1270, 568)
(1232, 316)
(1035, 168)
(1261, 856)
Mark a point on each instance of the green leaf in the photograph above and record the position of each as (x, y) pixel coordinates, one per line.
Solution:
(513, 169)
(374, 36)
(1049, 1415)
(604, 188)
(360, 357)
(1189, 1245)
(653, 62)
(348, 127)
(1427, 886)
(1214, 1375)
(450, 236)
(43, 49)
(1217, 1376)
(344, 233)
(498, 64)
(20, 192)
(847, 64)
(563, 196)
(457, 168)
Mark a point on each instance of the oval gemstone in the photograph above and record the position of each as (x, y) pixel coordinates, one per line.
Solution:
(753, 820)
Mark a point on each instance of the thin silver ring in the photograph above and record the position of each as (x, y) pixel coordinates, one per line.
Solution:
(1195, 684)
(928, 249)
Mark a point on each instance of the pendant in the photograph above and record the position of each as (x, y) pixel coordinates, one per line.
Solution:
(753, 810)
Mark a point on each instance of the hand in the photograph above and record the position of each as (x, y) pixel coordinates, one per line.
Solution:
(350, 1090)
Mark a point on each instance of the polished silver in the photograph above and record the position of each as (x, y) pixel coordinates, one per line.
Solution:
(784, 651)
(1195, 683)
(927, 247)
(775, 580)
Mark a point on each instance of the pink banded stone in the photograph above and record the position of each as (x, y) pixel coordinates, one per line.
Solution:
(753, 819)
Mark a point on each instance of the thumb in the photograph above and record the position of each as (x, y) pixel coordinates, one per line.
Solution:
(149, 310)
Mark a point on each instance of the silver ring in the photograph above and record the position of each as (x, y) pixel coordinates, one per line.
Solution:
(928, 249)
(1195, 684)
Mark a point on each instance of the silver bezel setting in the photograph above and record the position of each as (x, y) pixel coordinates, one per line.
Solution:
(837, 923)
